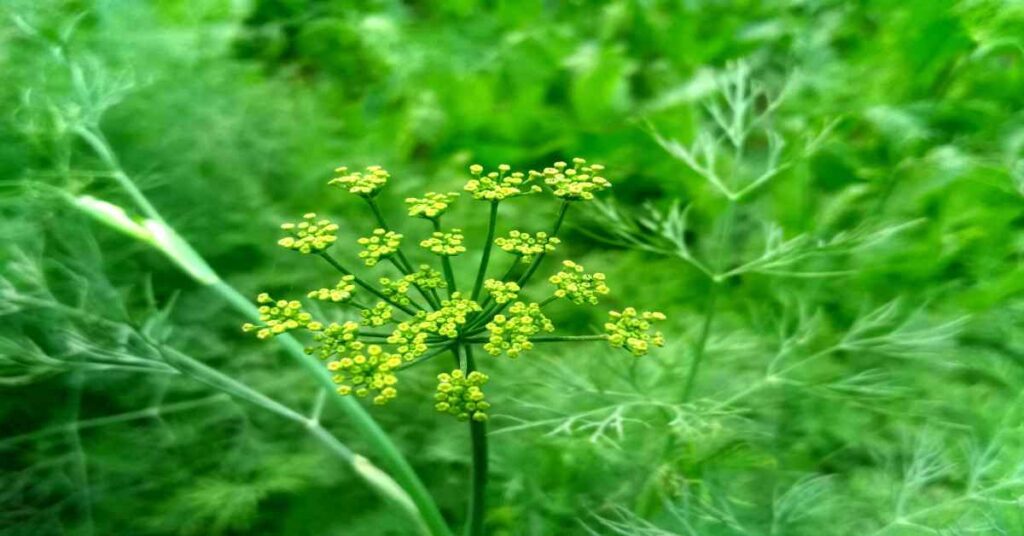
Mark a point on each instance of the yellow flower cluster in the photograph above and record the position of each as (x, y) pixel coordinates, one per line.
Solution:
(579, 182)
(431, 205)
(498, 185)
(398, 289)
(447, 244)
(365, 368)
(511, 333)
(335, 340)
(427, 277)
(501, 291)
(310, 234)
(460, 394)
(358, 368)
(632, 330)
(409, 338)
(452, 315)
(280, 316)
(378, 315)
(364, 184)
(340, 293)
(578, 286)
(525, 245)
(379, 245)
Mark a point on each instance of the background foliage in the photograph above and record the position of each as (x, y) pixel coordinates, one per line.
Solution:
(865, 382)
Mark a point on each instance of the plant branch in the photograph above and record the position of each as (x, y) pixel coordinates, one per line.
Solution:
(402, 262)
(446, 263)
(359, 281)
(485, 259)
(425, 357)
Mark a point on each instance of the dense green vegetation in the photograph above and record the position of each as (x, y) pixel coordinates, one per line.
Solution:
(843, 283)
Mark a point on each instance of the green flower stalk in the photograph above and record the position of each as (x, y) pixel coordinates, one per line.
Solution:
(397, 334)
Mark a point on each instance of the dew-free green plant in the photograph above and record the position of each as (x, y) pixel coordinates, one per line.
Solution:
(402, 330)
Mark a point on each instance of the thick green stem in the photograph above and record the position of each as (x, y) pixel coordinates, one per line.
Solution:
(478, 472)
(377, 479)
(359, 281)
(485, 259)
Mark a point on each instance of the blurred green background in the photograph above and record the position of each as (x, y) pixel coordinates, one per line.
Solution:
(886, 253)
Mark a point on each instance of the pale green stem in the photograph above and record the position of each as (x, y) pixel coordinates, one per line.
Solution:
(548, 300)
(700, 349)
(377, 439)
(378, 480)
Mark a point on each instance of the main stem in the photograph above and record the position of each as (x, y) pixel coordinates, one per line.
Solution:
(478, 471)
